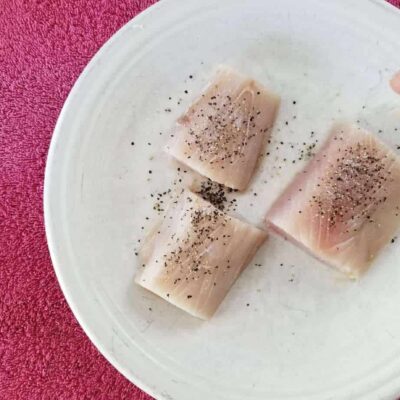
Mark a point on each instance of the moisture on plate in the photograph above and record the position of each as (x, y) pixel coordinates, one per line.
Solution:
(195, 255)
(345, 205)
(223, 132)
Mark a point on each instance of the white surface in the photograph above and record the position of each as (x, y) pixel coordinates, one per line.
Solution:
(307, 334)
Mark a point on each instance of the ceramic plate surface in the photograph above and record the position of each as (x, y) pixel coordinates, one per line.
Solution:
(307, 333)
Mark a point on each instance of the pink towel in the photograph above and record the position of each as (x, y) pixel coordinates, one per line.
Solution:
(44, 45)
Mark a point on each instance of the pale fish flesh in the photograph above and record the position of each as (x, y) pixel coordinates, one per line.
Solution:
(195, 255)
(223, 133)
(344, 207)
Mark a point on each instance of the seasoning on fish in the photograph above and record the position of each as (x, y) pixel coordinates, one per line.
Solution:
(345, 206)
(195, 255)
(223, 132)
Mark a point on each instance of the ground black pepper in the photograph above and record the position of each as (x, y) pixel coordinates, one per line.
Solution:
(216, 194)
(356, 182)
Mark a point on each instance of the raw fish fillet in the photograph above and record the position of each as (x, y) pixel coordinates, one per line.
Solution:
(195, 255)
(344, 207)
(222, 134)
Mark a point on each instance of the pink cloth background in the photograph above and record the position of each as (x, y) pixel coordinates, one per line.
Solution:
(44, 45)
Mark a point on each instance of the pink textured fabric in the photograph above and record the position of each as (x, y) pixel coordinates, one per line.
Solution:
(44, 45)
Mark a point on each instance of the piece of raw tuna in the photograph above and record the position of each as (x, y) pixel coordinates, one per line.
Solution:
(345, 205)
(195, 255)
(223, 132)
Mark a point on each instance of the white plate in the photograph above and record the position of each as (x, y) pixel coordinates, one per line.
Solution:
(307, 334)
